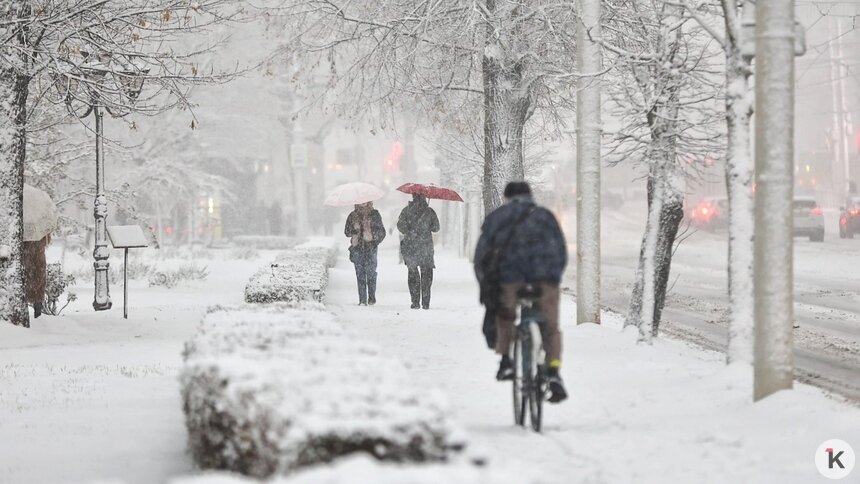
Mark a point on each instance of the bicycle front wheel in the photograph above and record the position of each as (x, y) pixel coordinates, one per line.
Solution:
(520, 394)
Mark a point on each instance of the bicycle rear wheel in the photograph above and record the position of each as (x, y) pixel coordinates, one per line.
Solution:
(536, 398)
(520, 394)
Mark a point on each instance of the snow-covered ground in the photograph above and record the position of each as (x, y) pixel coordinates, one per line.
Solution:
(89, 396)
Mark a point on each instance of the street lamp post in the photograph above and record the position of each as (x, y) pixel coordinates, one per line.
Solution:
(101, 300)
(94, 71)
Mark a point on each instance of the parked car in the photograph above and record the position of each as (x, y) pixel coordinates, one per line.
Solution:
(849, 218)
(710, 214)
(808, 219)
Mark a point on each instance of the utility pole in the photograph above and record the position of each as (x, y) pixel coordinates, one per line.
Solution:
(774, 149)
(588, 131)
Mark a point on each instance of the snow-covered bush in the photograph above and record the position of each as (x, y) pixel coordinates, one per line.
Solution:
(244, 253)
(265, 242)
(267, 390)
(170, 278)
(300, 274)
(57, 282)
(137, 269)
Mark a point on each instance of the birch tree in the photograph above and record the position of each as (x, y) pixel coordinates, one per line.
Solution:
(738, 163)
(739, 177)
(663, 93)
(45, 51)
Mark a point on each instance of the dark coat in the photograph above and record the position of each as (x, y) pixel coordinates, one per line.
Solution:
(537, 251)
(377, 230)
(417, 223)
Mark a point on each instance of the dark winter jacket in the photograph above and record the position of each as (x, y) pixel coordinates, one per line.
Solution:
(417, 222)
(537, 251)
(377, 230)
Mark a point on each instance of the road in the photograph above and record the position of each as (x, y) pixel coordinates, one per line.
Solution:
(827, 295)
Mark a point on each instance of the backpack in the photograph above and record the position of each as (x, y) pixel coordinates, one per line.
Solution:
(491, 265)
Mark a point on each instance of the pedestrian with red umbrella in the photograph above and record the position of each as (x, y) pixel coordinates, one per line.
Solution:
(417, 223)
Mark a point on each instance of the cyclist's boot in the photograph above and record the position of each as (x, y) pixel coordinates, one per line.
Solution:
(506, 369)
(557, 393)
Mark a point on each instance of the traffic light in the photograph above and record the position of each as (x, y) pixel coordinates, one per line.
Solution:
(392, 160)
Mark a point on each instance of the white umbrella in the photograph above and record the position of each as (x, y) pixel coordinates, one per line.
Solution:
(353, 194)
(40, 214)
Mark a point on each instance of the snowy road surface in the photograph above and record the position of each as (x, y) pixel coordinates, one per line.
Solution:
(89, 397)
(827, 295)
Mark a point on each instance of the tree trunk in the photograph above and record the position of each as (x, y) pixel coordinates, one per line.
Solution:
(13, 105)
(507, 107)
(665, 207)
(739, 173)
(506, 110)
(665, 213)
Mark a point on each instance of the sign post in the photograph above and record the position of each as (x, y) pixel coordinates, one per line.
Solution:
(126, 237)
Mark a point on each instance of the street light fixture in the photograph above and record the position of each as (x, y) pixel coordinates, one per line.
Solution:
(87, 82)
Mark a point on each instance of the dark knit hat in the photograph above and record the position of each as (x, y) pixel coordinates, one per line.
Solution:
(517, 188)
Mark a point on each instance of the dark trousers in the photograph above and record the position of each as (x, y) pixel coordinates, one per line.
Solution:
(365, 273)
(506, 315)
(420, 279)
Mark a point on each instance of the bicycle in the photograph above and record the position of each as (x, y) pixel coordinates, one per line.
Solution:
(529, 382)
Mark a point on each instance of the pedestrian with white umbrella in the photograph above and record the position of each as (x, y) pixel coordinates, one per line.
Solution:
(40, 219)
(365, 231)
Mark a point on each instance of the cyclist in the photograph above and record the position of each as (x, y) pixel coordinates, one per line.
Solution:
(522, 243)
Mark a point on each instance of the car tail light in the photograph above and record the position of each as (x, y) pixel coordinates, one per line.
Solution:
(816, 211)
(854, 211)
(705, 211)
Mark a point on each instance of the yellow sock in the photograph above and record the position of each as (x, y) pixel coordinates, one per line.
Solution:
(555, 364)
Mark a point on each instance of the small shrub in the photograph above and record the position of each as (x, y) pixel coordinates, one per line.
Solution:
(57, 282)
(136, 270)
(172, 277)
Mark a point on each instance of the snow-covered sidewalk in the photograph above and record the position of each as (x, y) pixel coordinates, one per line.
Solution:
(667, 413)
(88, 397)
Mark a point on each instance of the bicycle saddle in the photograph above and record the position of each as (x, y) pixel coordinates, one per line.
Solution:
(529, 292)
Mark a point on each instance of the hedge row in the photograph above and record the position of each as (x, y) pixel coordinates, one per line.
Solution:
(299, 274)
(270, 389)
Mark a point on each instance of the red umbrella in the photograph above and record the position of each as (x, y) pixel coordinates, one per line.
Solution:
(431, 191)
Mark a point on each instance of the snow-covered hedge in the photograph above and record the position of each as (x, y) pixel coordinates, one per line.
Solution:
(265, 242)
(269, 389)
(299, 274)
